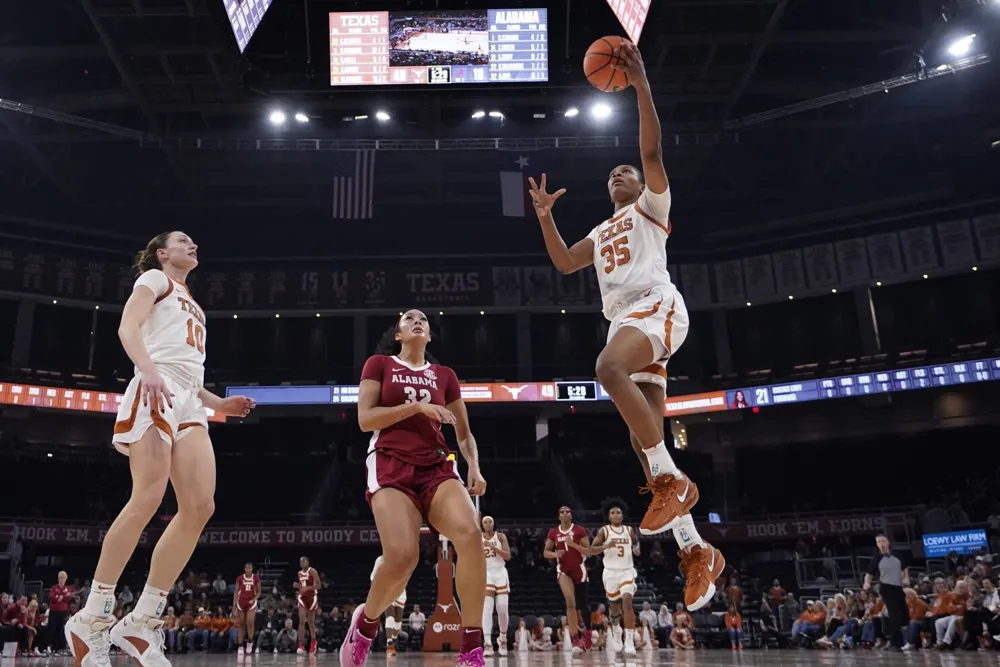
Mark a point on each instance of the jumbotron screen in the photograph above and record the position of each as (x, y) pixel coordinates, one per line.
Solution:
(439, 47)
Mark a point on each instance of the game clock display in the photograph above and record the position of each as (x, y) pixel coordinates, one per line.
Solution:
(439, 47)
(576, 391)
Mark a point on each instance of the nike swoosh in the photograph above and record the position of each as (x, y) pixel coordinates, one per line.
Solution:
(399, 370)
(683, 496)
(711, 566)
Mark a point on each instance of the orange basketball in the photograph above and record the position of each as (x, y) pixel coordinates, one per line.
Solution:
(597, 65)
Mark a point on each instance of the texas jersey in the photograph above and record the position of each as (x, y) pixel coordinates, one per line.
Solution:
(493, 560)
(630, 254)
(174, 332)
(620, 557)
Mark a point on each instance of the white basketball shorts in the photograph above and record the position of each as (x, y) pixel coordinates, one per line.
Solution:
(400, 601)
(660, 313)
(497, 581)
(172, 423)
(618, 583)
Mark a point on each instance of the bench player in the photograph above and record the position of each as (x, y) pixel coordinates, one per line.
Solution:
(619, 543)
(393, 615)
(497, 586)
(308, 587)
(162, 427)
(649, 322)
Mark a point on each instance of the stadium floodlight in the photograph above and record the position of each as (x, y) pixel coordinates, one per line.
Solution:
(496, 114)
(479, 113)
(301, 117)
(277, 117)
(361, 117)
(600, 111)
(381, 116)
(961, 46)
(572, 112)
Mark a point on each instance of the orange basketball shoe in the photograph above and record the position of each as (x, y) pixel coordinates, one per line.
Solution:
(701, 566)
(672, 498)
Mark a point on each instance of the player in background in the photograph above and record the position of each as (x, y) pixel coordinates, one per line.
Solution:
(649, 322)
(571, 572)
(308, 587)
(162, 427)
(245, 595)
(497, 585)
(393, 615)
(403, 399)
(619, 543)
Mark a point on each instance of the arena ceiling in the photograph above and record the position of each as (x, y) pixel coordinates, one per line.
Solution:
(169, 71)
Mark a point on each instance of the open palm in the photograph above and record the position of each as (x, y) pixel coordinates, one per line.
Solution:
(542, 200)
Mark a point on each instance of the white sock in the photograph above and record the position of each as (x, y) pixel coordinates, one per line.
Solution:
(660, 461)
(101, 601)
(152, 602)
(503, 617)
(488, 619)
(686, 534)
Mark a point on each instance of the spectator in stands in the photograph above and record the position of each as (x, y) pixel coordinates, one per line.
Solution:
(681, 614)
(599, 619)
(335, 627)
(170, 628)
(521, 636)
(948, 613)
(219, 639)
(810, 623)
(125, 596)
(664, 625)
(683, 635)
(60, 596)
(734, 627)
(734, 594)
(776, 594)
(417, 621)
(185, 625)
(287, 639)
(267, 636)
(644, 637)
(648, 615)
(219, 585)
(838, 622)
(202, 631)
(919, 611)
(789, 611)
(6, 625)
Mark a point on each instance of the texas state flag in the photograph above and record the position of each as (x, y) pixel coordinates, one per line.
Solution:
(515, 168)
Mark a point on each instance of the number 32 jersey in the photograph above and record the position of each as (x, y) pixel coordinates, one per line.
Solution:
(416, 440)
(630, 253)
(174, 332)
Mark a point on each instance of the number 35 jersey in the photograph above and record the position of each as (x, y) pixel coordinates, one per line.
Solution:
(416, 440)
(174, 332)
(630, 253)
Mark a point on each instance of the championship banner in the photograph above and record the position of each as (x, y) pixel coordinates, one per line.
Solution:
(363, 535)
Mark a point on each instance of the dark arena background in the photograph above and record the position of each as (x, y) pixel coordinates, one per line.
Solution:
(835, 232)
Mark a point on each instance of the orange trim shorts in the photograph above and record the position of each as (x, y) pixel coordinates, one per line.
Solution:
(172, 423)
(660, 313)
(497, 581)
(618, 583)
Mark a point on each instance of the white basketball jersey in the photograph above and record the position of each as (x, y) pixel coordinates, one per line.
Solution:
(493, 561)
(174, 333)
(619, 558)
(630, 253)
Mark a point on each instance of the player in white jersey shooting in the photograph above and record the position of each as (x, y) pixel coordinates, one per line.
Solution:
(163, 428)
(619, 543)
(649, 321)
(497, 586)
(393, 615)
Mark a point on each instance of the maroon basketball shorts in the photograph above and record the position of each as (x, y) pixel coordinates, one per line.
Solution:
(419, 483)
(577, 574)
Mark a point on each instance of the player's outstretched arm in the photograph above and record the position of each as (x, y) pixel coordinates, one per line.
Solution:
(566, 259)
(650, 146)
(595, 549)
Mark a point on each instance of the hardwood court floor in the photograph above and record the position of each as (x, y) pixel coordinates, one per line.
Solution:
(699, 658)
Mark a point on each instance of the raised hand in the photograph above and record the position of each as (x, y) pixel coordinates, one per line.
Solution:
(629, 60)
(542, 200)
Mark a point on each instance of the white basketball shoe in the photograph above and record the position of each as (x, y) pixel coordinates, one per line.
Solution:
(142, 638)
(88, 639)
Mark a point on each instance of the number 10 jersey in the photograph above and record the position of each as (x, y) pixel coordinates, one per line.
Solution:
(416, 440)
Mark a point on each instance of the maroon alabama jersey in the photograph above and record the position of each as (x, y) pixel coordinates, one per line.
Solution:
(247, 589)
(417, 440)
(572, 560)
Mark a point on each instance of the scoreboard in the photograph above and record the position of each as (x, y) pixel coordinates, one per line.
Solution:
(632, 15)
(244, 17)
(439, 47)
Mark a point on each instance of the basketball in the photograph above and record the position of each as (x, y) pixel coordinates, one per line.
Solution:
(597, 65)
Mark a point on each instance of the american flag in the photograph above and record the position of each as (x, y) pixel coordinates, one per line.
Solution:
(353, 184)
